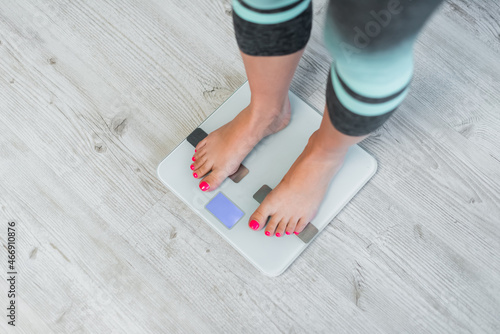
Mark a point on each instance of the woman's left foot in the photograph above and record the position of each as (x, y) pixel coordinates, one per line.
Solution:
(294, 202)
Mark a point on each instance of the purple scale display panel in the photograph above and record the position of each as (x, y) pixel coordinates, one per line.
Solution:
(224, 210)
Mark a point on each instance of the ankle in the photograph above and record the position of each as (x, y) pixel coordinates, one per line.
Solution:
(270, 106)
(326, 147)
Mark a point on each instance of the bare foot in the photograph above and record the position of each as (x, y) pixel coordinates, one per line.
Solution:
(296, 199)
(223, 150)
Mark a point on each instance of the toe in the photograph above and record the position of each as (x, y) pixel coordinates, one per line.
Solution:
(213, 180)
(259, 217)
(197, 156)
(280, 230)
(200, 145)
(301, 225)
(292, 223)
(271, 226)
(197, 165)
(202, 169)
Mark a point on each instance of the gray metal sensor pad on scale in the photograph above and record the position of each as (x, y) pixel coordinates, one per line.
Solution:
(228, 208)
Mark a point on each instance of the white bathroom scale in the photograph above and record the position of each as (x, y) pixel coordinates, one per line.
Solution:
(228, 208)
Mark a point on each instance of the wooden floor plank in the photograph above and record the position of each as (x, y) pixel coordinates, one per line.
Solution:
(94, 94)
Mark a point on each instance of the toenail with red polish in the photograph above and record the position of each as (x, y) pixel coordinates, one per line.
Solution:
(192, 167)
(194, 150)
(278, 234)
(194, 159)
(204, 186)
(195, 175)
(268, 233)
(287, 233)
(254, 224)
(296, 233)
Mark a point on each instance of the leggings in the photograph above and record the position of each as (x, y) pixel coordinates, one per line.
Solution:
(371, 42)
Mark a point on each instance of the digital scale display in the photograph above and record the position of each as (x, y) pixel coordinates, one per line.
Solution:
(224, 210)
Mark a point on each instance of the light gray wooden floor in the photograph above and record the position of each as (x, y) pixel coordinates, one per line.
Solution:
(94, 94)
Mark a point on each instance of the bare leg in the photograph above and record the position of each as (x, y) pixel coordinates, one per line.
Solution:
(269, 78)
(222, 151)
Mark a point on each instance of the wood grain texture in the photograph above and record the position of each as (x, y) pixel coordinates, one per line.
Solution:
(94, 94)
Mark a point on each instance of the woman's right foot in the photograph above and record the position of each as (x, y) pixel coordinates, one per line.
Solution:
(223, 150)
